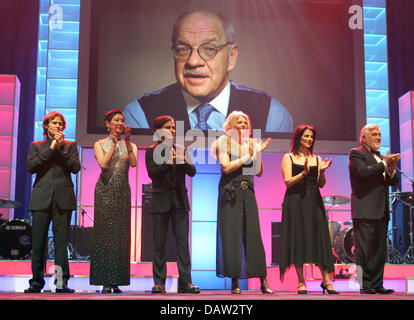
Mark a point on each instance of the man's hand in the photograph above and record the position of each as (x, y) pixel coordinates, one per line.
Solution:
(391, 160)
(57, 140)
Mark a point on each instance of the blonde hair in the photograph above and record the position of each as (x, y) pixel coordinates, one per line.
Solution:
(231, 120)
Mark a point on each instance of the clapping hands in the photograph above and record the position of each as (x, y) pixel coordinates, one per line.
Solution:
(326, 163)
(58, 139)
(258, 147)
(391, 160)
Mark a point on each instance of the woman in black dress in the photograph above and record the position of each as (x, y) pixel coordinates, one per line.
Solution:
(305, 234)
(110, 260)
(240, 251)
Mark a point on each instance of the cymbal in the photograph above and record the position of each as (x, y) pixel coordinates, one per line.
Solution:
(4, 203)
(400, 194)
(335, 200)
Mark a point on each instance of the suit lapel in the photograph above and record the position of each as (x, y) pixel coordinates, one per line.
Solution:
(368, 155)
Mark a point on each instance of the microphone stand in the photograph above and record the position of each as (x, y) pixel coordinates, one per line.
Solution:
(83, 212)
(73, 253)
(410, 249)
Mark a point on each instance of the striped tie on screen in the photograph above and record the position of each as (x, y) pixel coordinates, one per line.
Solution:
(203, 112)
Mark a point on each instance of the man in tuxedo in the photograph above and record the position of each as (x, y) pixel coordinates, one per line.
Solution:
(371, 175)
(167, 166)
(205, 52)
(53, 199)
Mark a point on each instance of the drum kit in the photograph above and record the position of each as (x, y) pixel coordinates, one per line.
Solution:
(15, 235)
(343, 245)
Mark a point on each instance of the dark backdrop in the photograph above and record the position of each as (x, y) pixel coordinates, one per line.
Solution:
(19, 20)
(400, 37)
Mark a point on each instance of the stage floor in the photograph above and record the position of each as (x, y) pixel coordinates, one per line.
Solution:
(14, 277)
(205, 295)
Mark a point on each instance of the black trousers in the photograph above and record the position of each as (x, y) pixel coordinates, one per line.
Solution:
(370, 251)
(40, 228)
(179, 221)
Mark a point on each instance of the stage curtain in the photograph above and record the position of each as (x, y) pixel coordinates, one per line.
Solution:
(19, 21)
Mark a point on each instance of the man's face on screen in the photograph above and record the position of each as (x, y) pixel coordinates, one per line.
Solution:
(201, 78)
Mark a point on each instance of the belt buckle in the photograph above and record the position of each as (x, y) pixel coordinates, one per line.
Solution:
(244, 185)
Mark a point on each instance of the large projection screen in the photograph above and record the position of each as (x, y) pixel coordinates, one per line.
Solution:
(303, 53)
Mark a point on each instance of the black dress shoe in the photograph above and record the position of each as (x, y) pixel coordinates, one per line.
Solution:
(382, 290)
(325, 287)
(264, 287)
(235, 286)
(158, 289)
(189, 289)
(367, 291)
(115, 289)
(65, 290)
(106, 289)
(32, 290)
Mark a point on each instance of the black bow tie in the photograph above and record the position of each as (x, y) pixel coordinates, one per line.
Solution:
(376, 152)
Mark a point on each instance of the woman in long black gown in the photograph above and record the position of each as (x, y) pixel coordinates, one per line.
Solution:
(305, 234)
(110, 260)
(240, 251)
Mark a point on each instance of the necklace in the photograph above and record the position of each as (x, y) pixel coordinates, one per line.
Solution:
(305, 155)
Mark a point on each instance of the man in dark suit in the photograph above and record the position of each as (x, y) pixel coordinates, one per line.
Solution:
(53, 199)
(205, 52)
(167, 166)
(371, 175)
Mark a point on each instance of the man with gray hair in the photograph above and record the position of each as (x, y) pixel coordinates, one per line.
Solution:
(371, 175)
(205, 52)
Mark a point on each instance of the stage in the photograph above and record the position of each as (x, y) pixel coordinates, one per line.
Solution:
(251, 304)
(209, 295)
(15, 274)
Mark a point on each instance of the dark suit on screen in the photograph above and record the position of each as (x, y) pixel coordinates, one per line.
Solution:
(261, 108)
(169, 201)
(52, 199)
(370, 213)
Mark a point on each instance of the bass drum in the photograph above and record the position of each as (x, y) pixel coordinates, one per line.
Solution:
(15, 240)
(344, 245)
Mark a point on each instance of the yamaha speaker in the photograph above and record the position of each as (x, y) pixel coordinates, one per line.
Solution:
(147, 231)
(276, 229)
(401, 225)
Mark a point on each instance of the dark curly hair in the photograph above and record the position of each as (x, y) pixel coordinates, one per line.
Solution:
(297, 135)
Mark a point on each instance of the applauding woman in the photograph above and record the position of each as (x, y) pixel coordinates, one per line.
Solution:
(110, 261)
(240, 251)
(305, 234)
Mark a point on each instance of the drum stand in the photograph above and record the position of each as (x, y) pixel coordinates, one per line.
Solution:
(393, 255)
(408, 256)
